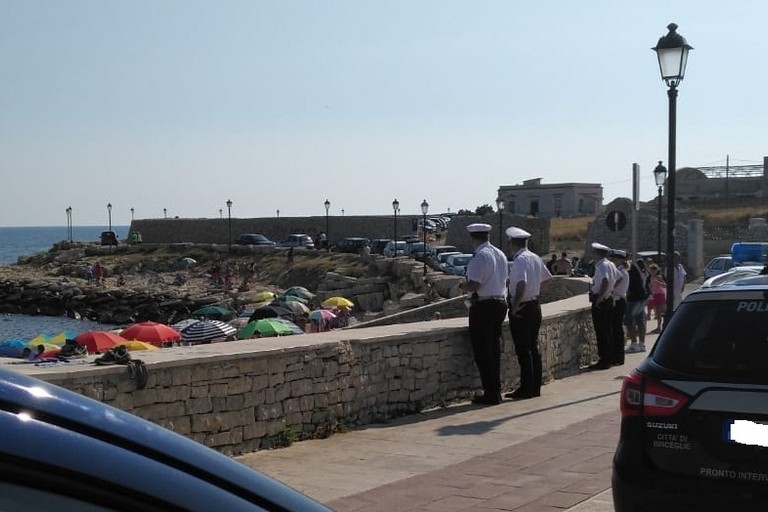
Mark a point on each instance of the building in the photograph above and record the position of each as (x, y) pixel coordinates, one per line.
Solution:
(552, 200)
(722, 182)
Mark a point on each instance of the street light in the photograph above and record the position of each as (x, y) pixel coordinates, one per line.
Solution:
(424, 210)
(327, 205)
(165, 213)
(229, 221)
(109, 211)
(132, 213)
(672, 53)
(659, 174)
(69, 223)
(278, 213)
(395, 208)
(221, 213)
(500, 207)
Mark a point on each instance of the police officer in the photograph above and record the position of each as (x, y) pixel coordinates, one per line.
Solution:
(486, 281)
(600, 294)
(620, 287)
(527, 276)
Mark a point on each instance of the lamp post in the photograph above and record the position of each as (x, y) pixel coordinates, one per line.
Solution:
(132, 213)
(327, 205)
(500, 207)
(165, 213)
(69, 223)
(109, 212)
(278, 213)
(395, 208)
(424, 210)
(659, 174)
(221, 213)
(229, 221)
(672, 53)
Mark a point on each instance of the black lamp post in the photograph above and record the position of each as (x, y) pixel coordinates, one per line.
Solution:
(221, 213)
(500, 208)
(278, 213)
(132, 213)
(659, 174)
(109, 212)
(229, 221)
(395, 208)
(69, 222)
(165, 213)
(424, 210)
(327, 205)
(672, 52)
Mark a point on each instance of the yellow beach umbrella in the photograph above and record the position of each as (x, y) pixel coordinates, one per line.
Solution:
(263, 296)
(139, 345)
(47, 346)
(338, 302)
(59, 339)
(37, 340)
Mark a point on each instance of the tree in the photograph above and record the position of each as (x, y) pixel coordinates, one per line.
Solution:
(484, 210)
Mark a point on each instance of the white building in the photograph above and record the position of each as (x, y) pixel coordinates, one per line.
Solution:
(552, 200)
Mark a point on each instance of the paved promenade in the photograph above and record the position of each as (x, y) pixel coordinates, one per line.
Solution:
(546, 454)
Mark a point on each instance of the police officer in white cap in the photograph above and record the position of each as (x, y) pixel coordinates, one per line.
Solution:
(619, 259)
(486, 280)
(527, 276)
(601, 296)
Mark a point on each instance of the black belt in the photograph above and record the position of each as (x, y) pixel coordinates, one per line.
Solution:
(532, 301)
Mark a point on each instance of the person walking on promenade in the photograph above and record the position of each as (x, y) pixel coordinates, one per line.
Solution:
(486, 281)
(619, 259)
(658, 301)
(637, 296)
(677, 293)
(600, 294)
(527, 277)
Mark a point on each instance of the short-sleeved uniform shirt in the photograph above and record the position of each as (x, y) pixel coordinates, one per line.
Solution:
(604, 269)
(527, 266)
(489, 268)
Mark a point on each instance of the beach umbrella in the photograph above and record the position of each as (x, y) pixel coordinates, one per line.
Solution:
(299, 291)
(180, 325)
(206, 330)
(263, 296)
(297, 308)
(295, 328)
(46, 346)
(216, 312)
(151, 332)
(332, 302)
(270, 311)
(266, 327)
(40, 338)
(133, 345)
(188, 262)
(322, 314)
(99, 341)
(60, 338)
(290, 298)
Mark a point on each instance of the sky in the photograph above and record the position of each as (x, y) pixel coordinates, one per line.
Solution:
(282, 104)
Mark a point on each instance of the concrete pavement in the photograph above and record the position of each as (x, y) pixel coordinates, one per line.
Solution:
(549, 453)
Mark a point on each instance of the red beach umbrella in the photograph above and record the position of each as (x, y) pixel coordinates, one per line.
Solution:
(99, 341)
(151, 332)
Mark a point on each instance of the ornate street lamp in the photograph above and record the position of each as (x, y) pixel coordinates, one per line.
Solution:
(69, 222)
(659, 175)
(672, 52)
(109, 212)
(165, 213)
(229, 221)
(424, 210)
(132, 213)
(278, 213)
(500, 208)
(395, 208)
(327, 205)
(221, 213)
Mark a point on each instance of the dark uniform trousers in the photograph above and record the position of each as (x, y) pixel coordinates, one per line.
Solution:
(485, 320)
(602, 319)
(525, 334)
(617, 331)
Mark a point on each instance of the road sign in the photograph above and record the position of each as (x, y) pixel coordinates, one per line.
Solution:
(616, 220)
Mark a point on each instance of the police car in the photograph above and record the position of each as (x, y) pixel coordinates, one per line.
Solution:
(694, 429)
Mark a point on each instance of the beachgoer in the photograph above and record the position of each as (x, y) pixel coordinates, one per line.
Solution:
(562, 266)
(658, 300)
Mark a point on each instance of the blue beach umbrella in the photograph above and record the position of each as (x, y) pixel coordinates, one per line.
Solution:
(12, 348)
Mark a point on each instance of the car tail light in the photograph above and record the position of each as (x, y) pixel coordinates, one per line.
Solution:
(644, 396)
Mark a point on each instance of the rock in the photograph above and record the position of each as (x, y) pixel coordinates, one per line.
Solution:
(412, 300)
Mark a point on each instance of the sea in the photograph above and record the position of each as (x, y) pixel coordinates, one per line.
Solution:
(24, 241)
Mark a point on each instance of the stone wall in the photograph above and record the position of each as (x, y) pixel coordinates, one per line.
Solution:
(244, 396)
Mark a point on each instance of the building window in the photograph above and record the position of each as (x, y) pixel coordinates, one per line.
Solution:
(534, 207)
(558, 205)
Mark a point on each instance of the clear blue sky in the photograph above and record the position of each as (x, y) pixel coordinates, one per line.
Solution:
(183, 104)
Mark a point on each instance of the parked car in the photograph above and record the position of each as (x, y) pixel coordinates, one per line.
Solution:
(733, 274)
(389, 250)
(108, 238)
(441, 258)
(351, 244)
(440, 249)
(253, 239)
(298, 240)
(62, 451)
(378, 245)
(694, 428)
(717, 266)
(419, 250)
(457, 264)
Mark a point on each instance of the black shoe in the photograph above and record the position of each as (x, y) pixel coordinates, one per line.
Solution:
(599, 366)
(72, 350)
(486, 400)
(617, 363)
(521, 395)
(115, 355)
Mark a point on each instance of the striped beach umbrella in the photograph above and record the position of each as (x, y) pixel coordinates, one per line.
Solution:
(206, 330)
